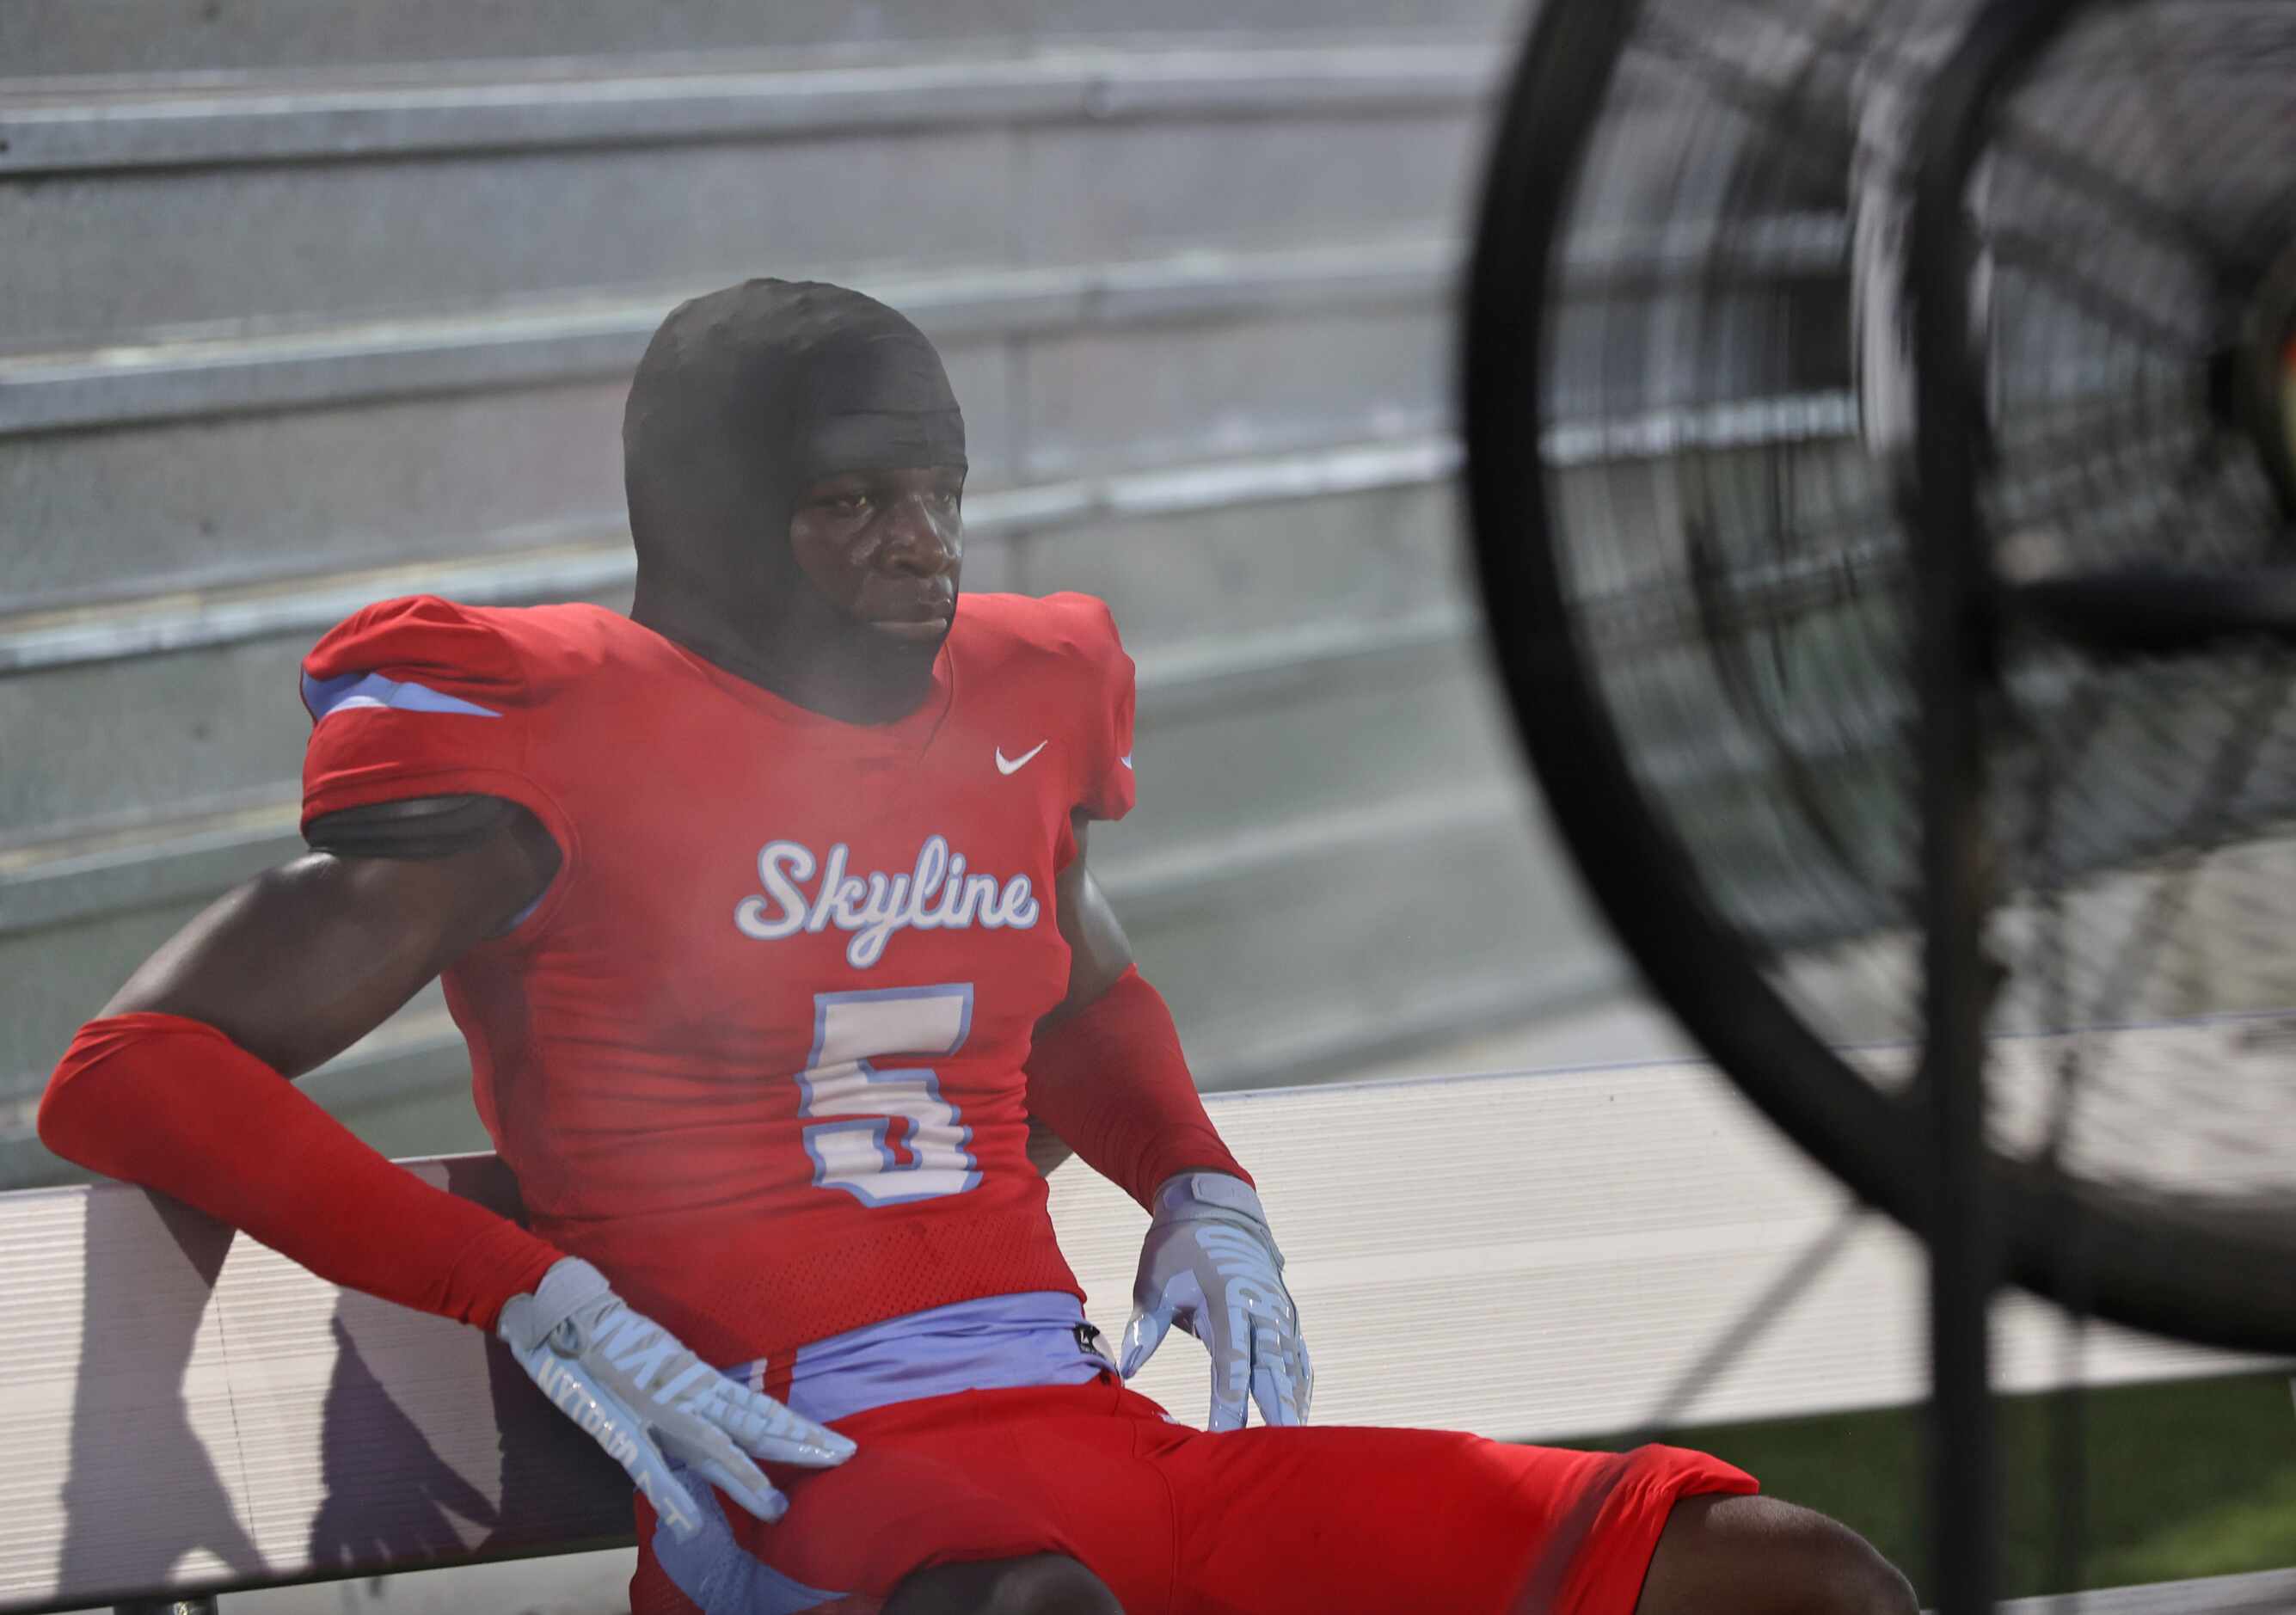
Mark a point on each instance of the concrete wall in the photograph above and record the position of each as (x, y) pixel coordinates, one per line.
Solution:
(304, 308)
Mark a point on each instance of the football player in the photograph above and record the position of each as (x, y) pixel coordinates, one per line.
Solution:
(766, 912)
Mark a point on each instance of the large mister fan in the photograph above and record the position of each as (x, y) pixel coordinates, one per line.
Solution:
(1882, 459)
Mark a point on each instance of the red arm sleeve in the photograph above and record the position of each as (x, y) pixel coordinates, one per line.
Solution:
(1110, 1080)
(175, 1105)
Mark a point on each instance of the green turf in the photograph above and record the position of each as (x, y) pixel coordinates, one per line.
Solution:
(2196, 1478)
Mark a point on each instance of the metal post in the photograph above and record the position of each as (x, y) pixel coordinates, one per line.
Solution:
(1964, 1264)
(1957, 672)
(1963, 1258)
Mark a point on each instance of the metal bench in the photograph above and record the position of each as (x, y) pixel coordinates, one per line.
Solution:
(1530, 1255)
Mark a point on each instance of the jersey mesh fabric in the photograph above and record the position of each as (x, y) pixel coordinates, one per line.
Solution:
(769, 1111)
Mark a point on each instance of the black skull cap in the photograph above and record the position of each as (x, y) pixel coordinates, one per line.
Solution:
(748, 395)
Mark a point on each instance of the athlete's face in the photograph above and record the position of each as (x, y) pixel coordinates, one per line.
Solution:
(884, 548)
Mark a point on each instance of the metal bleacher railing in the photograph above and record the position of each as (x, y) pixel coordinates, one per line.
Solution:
(298, 321)
(294, 332)
(305, 312)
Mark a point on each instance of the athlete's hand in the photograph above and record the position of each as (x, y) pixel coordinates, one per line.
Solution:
(1212, 1267)
(648, 1400)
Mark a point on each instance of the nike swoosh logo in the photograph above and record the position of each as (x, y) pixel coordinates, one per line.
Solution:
(1014, 765)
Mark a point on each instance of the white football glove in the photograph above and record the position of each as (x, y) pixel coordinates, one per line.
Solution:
(1212, 1267)
(647, 1401)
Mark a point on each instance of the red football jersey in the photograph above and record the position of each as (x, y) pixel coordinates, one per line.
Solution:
(757, 1052)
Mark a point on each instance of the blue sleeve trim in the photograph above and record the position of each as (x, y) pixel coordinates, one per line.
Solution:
(350, 692)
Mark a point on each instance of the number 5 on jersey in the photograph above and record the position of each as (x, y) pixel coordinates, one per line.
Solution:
(849, 1031)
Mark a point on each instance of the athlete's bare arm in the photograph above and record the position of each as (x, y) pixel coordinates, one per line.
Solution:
(1099, 952)
(305, 959)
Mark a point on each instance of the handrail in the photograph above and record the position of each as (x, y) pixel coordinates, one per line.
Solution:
(209, 372)
(266, 119)
(199, 373)
(596, 554)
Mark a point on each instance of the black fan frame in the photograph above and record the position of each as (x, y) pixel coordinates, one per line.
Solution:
(2161, 1273)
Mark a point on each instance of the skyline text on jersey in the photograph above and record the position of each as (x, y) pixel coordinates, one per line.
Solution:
(936, 894)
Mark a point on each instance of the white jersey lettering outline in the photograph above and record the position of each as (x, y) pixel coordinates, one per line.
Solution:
(937, 893)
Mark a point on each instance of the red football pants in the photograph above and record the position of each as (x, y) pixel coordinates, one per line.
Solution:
(1320, 1520)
